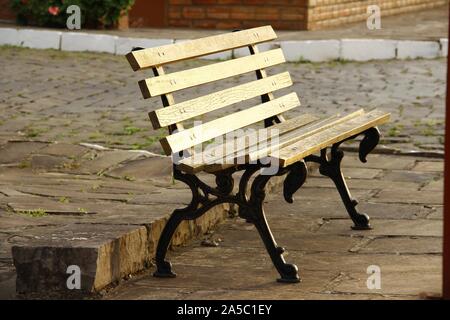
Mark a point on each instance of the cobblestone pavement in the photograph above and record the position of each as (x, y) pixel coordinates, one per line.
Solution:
(82, 97)
(403, 196)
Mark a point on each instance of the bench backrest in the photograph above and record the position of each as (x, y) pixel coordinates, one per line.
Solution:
(173, 114)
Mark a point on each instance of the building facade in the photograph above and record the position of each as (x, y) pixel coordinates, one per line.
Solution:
(281, 14)
(240, 14)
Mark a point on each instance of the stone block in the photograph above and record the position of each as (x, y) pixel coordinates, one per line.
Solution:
(39, 39)
(367, 49)
(9, 36)
(418, 49)
(311, 50)
(78, 41)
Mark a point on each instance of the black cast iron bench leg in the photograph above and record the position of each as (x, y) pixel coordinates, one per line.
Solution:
(331, 167)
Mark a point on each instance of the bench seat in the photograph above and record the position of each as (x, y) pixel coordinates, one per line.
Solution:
(298, 138)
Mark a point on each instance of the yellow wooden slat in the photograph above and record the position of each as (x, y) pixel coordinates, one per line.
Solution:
(192, 108)
(212, 129)
(328, 137)
(169, 100)
(219, 155)
(189, 78)
(304, 132)
(147, 58)
(261, 74)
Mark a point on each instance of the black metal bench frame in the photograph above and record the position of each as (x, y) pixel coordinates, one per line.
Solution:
(204, 197)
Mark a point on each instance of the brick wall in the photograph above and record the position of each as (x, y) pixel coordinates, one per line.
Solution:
(282, 14)
(234, 14)
(330, 13)
(5, 11)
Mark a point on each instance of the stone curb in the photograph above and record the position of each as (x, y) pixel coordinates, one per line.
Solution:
(295, 51)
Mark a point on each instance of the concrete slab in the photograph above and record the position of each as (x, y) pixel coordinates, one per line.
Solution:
(9, 36)
(39, 39)
(314, 51)
(79, 41)
(367, 49)
(418, 49)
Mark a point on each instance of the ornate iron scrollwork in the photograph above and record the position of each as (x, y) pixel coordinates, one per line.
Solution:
(204, 197)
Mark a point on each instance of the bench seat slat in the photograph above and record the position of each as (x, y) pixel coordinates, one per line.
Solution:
(147, 58)
(189, 78)
(304, 132)
(212, 129)
(313, 130)
(322, 139)
(216, 154)
(195, 107)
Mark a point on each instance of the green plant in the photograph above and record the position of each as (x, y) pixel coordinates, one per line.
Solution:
(52, 13)
(35, 213)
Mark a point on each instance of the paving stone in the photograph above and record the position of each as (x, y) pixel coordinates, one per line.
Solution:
(355, 184)
(356, 173)
(394, 282)
(47, 162)
(144, 169)
(335, 209)
(232, 237)
(424, 228)
(280, 294)
(405, 196)
(379, 161)
(410, 176)
(404, 245)
(64, 149)
(429, 166)
(326, 193)
(106, 161)
(437, 213)
(435, 185)
(15, 152)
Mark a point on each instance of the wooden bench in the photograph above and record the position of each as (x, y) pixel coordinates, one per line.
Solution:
(302, 139)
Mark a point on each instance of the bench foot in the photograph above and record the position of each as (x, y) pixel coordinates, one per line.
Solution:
(295, 279)
(164, 270)
(331, 167)
(255, 213)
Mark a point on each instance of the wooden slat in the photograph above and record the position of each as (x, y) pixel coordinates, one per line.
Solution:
(193, 136)
(189, 78)
(218, 155)
(217, 100)
(261, 74)
(304, 132)
(322, 139)
(147, 58)
(167, 100)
